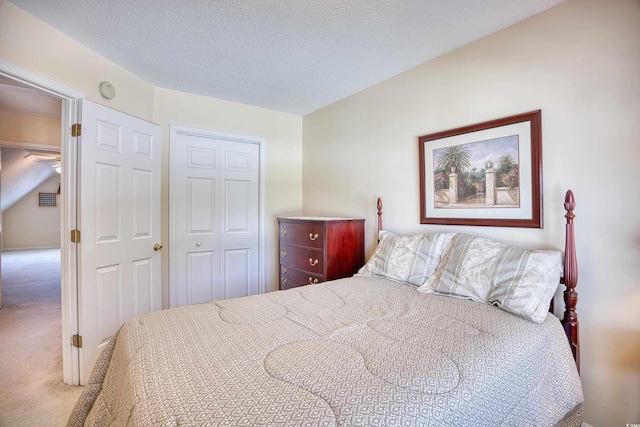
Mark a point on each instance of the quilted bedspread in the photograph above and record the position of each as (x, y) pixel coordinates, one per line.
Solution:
(354, 352)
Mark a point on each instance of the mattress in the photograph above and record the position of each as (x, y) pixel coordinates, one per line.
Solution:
(359, 351)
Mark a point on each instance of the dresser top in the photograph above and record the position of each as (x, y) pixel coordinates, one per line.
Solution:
(320, 218)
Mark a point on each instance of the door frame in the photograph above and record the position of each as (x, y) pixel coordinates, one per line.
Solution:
(174, 131)
(68, 208)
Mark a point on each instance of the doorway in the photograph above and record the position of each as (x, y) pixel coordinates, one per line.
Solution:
(68, 99)
(30, 224)
(31, 319)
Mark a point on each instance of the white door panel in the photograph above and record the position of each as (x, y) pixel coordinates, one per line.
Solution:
(214, 209)
(238, 278)
(120, 223)
(201, 204)
(202, 267)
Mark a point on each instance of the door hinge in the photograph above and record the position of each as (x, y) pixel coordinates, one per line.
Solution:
(76, 129)
(75, 236)
(76, 340)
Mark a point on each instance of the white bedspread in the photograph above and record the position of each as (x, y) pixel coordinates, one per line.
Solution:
(359, 351)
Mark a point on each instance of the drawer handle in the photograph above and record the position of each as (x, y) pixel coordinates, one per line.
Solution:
(284, 270)
(313, 262)
(283, 232)
(313, 281)
(283, 253)
(284, 280)
(313, 236)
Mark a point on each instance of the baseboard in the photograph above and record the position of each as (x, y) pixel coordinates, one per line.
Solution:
(586, 425)
(29, 249)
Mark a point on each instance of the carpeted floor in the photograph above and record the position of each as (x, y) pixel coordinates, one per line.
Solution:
(31, 388)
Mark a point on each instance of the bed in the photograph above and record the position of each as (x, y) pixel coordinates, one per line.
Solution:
(374, 349)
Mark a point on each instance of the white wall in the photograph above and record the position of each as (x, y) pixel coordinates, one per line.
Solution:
(578, 62)
(34, 130)
(27, 225)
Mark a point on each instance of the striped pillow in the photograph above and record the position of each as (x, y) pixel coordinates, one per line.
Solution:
(407, 259)
(519, 281)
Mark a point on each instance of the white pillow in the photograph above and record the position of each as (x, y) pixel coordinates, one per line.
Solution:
(407, 259)
(519, 281)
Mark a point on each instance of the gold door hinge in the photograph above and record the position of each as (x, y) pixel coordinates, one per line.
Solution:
(76, 340)
(76, 129)
(75, 236)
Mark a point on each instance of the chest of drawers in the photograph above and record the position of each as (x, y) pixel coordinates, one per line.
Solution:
(316, 249)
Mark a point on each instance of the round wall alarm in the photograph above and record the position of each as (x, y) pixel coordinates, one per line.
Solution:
(107, 90)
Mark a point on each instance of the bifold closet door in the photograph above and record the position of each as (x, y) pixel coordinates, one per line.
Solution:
(214, 186)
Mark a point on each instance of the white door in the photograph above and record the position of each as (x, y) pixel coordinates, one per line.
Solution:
(214, 213)
(119, 220)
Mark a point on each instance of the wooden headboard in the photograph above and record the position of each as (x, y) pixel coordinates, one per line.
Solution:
(569, 278)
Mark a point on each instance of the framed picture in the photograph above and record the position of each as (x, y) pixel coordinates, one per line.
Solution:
(484, 174)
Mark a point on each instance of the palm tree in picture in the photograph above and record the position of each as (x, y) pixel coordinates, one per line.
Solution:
(456, 158)
(508, 171)
(506, 164)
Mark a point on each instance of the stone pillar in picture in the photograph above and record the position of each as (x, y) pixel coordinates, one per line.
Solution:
(490, 185)
(453, 186)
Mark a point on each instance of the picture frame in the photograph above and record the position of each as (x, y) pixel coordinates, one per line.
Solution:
(486, 174)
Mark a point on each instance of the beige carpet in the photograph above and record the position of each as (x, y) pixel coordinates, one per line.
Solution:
(31, 388)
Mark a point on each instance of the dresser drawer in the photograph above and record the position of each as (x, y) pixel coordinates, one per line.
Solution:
(302, 234)
(306, 278)
(288, 283)
(311, 260)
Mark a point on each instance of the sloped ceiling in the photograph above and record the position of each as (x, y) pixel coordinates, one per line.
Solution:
(21, 173)
(21, 170)
(294, 56)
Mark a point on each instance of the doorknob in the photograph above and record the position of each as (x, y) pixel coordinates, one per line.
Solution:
(157, 247)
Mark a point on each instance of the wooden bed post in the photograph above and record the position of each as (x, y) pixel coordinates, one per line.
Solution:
(379, 205)
(570, 319)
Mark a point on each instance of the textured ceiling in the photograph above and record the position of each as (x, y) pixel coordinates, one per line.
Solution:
(294, 56)
(17, 98)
